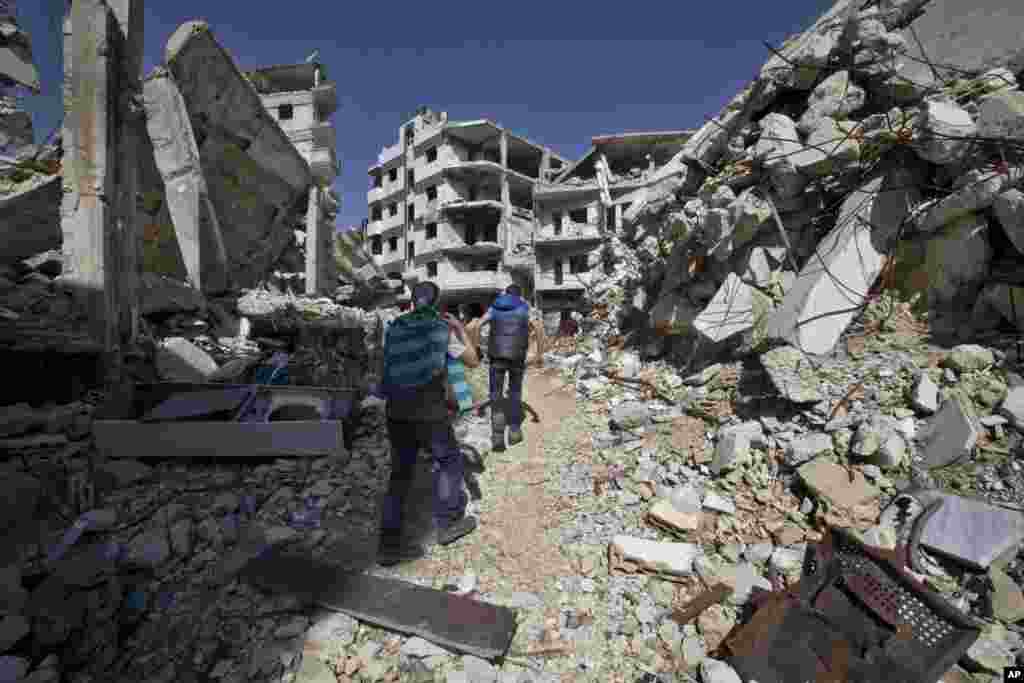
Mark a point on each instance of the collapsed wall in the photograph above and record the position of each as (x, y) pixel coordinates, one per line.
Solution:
(840, 169)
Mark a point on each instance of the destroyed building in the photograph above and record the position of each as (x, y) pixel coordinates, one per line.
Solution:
(582, 206)
(452, 202)
(302, 99)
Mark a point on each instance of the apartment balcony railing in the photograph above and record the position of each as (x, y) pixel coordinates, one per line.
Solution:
(483, 281)
(574, 233)
(457, 247)
(547, 280)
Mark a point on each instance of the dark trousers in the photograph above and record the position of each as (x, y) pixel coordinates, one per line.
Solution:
(448, 467)
(498, 372)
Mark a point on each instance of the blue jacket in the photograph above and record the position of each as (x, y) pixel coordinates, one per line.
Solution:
(510, 329)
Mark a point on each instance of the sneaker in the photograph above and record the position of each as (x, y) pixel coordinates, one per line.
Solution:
(389, 554)
(455, 531)
(514, 436)
(498, 442)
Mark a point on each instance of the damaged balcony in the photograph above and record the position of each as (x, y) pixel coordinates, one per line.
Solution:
(481, 248)
(574, 233)
(478, 282)
(460, 206)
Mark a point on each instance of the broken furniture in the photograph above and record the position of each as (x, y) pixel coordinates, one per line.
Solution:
(181, 419)
(855, 616)
(452, 621)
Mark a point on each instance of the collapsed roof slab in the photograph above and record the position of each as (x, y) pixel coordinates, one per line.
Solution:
(230, 172)
(185, 190)
(218, 95)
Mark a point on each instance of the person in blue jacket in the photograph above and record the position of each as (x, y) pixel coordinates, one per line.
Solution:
(507, 345)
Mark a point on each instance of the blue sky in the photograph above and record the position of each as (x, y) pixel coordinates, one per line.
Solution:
(557, 73)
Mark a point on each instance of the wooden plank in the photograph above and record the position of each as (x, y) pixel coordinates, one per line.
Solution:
(132, 439)
(452, 621)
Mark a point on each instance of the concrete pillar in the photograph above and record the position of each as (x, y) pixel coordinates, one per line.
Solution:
(314, 240)
(504, 149)
(91, 245)
(545, 164)
(130, 20)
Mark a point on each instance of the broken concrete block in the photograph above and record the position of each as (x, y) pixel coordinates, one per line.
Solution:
(792, 375)
(1002, 116)
(831, 287)
(736, 307)
(748, 213)
(830, 149)
(952, 434)
(18, 419)
(159, 294)
(831, 482)
(1012, 407)
(801, 60)
(631, 414)
(733, 449)
(834, 97)
(1007, 597)
(665, 513)
(995, 305)
(879, 441)
(179, 360)
(671, 558)
(988, 654)
(969, 531)
(743, 578)
(775, 149)
(721, 504)
(944, 130)
(806, 448)
(1009, 210)
(957, 260)
(974, 191)
(926, 394)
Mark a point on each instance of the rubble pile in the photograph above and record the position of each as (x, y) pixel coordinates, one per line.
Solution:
(831, 176)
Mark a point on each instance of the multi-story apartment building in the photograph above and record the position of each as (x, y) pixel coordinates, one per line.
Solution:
(452, 202)
(301, 99)
(582, 206)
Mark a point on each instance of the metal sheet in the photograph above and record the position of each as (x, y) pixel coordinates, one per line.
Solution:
(452, 621)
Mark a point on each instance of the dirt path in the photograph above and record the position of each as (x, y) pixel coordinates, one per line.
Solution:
(515, 547)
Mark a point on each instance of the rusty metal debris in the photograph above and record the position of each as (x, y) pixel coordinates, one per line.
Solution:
(856, 615)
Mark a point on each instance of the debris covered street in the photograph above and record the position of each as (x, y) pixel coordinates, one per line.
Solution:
(776, 362)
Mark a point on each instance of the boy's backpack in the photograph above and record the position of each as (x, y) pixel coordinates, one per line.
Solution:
(415, 368)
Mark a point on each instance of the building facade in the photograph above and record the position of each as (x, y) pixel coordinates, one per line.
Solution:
(452, 202)
(302, 100)
(581, 207)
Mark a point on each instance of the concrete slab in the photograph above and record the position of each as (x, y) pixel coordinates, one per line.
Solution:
(832, 285)
(833, 483)
(962, 35)
(449, 620)
(971, 531)
(952, 435)
(671, 558)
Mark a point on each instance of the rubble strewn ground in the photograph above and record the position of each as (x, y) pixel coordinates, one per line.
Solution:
(809, 320)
